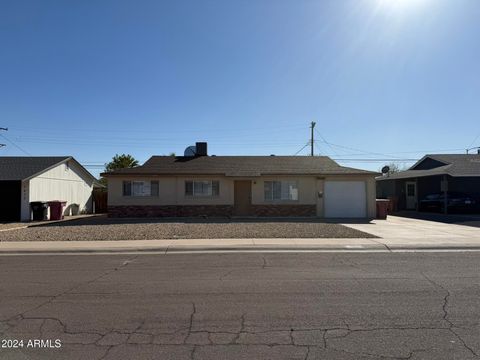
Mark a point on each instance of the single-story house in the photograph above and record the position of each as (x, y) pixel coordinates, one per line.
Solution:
(27, 179)
(437, 173)
(202, 185)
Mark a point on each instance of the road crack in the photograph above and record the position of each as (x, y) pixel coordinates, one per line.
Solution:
(15, 320)
(445, 317)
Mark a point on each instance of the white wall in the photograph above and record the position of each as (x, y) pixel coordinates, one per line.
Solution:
(68, 183)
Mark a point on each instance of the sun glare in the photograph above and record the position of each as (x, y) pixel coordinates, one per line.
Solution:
(401, 4)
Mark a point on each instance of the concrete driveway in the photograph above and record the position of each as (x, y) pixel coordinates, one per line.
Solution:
(398, 230)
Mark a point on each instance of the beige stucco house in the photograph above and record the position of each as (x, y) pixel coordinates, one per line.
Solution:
(204, 185)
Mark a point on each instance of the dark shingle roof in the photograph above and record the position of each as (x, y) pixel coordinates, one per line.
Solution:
(456, 165)
(460, 164)
(22, 167)
(240, 166)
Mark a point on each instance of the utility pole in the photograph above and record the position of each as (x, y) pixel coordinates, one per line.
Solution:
(312, 126)
(4, 129)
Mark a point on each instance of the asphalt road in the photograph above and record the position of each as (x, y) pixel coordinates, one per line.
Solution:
(242, 306)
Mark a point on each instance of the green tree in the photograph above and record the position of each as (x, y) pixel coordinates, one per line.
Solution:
(119, 162)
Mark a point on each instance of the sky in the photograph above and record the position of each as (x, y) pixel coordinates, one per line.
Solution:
(384, 80)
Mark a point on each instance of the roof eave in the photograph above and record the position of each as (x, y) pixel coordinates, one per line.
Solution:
(329, 173)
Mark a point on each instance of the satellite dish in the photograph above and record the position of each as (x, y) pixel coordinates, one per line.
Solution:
(190, 151)
(385, 169)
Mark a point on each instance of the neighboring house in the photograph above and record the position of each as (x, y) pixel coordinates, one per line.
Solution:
(432, 174)
(202, 185)
(27, 179)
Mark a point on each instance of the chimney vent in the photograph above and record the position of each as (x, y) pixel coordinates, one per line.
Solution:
(201, 149)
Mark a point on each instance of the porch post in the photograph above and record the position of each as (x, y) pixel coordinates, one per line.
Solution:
(445, 194)
(416, 195)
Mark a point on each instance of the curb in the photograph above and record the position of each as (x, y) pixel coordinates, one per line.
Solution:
(200, 249)
(180, 249)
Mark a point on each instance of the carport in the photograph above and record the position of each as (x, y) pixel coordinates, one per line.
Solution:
(433, 174)
(10, 200)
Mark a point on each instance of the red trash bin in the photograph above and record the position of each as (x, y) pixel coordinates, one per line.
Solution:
(56, 209)
(382, 208)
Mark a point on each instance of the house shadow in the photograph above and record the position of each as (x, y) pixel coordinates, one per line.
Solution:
(105, 220)
(456, 219)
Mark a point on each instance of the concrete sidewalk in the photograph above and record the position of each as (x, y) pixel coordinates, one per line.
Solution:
(395, 234)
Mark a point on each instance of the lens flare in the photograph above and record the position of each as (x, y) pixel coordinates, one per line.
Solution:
(402, 4)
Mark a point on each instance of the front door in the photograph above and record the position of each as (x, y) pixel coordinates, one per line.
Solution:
(411, 195)
(243, 197)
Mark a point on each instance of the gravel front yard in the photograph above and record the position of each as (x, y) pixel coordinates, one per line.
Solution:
(101, 228)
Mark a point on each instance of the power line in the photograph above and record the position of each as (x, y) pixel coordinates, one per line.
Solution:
(101, 141)
(72, 138)
(362, 151)
(171, 131)
(18, 147)
(183, 144)
(375, 160)
(4, 129)
(427, 151)
(474, 140)
(299, 151)
(326, 142)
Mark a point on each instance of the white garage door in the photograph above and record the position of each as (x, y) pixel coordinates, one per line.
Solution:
(345, 199)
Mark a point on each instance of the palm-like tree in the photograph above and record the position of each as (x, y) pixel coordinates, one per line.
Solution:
(121, 162)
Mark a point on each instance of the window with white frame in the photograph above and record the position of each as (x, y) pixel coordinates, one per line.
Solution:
(140, 188)
(280, 190)
(202, 188)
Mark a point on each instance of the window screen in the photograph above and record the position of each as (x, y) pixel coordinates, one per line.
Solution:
(202, 188)
(140, 188)
(127, 188)
(280, 190)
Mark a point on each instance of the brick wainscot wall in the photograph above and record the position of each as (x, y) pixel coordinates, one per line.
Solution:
(284, 210)
(170, 211)
(270, 210)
